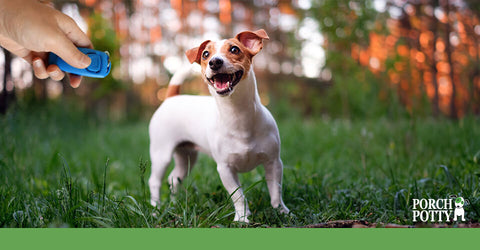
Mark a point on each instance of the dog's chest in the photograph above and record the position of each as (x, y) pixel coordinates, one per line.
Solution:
(242, 154)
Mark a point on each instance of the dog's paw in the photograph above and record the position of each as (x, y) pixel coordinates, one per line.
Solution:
(154, 203)
(242, 217)
(284, 210)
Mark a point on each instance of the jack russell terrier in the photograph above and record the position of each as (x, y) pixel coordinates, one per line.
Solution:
(231, 126)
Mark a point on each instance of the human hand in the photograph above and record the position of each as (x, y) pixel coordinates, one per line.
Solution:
(30, 29)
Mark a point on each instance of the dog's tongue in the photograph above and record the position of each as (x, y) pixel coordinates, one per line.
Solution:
(221, 81)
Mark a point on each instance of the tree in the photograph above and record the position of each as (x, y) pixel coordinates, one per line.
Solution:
(7, 96)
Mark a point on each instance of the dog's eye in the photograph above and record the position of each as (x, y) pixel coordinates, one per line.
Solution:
(205, 54)
(234, 50)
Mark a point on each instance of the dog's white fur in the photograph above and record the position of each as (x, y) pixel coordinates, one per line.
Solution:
(459, 211)
(236, 130)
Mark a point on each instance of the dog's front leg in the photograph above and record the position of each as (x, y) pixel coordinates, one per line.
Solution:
(273, 175)
(232, 185)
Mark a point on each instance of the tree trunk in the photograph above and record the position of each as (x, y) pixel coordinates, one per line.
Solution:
(433, 65)
(7, 77)
(472, 106)
(448, 51)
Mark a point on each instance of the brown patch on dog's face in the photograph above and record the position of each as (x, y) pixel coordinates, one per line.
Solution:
(194, 55)
(207, 53)
(237, 54)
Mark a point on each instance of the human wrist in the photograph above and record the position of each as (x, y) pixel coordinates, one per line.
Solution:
(3, 16)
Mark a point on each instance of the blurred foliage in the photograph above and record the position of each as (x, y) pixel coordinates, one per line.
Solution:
(474, 5)
(104, 38)
(411, 76)
(346, 22)
(355, 91)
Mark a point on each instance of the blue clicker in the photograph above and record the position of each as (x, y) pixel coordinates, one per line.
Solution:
(99, 68)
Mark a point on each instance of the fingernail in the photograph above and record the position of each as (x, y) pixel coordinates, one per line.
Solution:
(75, 85)
(86, 61)
(38, 63)
(55, 74)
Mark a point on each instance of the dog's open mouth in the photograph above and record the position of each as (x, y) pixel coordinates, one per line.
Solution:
(224, 83)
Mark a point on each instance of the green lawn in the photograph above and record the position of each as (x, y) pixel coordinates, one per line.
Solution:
(64, 169)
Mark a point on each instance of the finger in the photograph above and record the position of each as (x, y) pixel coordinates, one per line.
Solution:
(73, 32)
(39, 68)
(75, 80)
(55, 73)
(64, 48)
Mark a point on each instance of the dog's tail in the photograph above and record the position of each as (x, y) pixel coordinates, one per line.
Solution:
(178, 79)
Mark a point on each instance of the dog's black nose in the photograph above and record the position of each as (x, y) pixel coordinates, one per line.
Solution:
(215, 63)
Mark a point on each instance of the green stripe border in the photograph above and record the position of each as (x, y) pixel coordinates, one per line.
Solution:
(266, 239)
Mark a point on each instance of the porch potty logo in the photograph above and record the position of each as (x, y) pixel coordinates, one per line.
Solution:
(439, 210)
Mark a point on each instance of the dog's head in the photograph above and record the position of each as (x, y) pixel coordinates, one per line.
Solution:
(459, 202)
(225, 63)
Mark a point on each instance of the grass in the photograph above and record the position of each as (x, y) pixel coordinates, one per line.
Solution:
(61, 168)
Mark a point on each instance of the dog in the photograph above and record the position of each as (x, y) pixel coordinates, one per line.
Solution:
(231, 125)
(459, 211)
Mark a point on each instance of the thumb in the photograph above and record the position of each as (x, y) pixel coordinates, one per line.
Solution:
(73, 36)
(70, 54)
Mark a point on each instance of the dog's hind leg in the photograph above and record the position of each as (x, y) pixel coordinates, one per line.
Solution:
(160, 159)
(185, 157)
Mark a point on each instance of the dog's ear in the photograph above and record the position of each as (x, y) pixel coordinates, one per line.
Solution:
(253, 40)
(195, 54)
